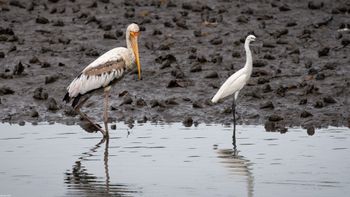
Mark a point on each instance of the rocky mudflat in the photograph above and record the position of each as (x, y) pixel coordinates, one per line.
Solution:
(301, 73)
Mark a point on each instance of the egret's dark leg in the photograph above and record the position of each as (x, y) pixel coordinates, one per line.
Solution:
(77, 109)
(105, 113)
(234, 122)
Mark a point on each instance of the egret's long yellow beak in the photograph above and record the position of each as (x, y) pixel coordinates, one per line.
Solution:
(135, 48)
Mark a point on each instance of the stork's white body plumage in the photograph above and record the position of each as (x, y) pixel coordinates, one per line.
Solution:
(103, 72)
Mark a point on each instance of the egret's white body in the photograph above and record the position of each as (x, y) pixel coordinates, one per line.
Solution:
(104, 72)
(236, 82)
(240, 78)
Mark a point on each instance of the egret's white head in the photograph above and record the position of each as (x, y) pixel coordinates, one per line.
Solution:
(132, 33)
(251, 38)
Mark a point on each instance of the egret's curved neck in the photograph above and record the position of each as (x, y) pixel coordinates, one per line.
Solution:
(249, 59)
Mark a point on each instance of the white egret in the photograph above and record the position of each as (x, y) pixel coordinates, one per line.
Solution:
(236, 82)
(104, 72)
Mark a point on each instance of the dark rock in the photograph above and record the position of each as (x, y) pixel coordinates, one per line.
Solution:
(127, 100)
(196, 68)
(242, 19)
(17, 4)
(322, 22)
(320, 76)
(157, 32)
(45, 65)
(259, 63)
(53, 1)
(305, 114)
(345, 42)
(58, 23)
(5, 91)
(269, 57)
(109, 35)
(216, 41)
(2, 54)
(64, 41)
(168, 24)
(60, 64)
(270, 126)
(236, 54)
(33, 113)
(312, 71)
(177, 73)
(34, 60)
(275, 118)
(171, 101)
(197, 33)
(291, 24)
(280, 32)
(259, 73)
(197, 104)
(302, 101)
(92, 53)
(281, 91)
(119, 33)
(166, 64)
(52, 104)
(42, 20)
(182, 23)
(330, 66)
(201, 59)
(164, 47)
(329, 100)
(21, 123)
(19, 68)
(268, 44)
(267, 105)
(308, 64)
(173, 83)
(113, 127)
(187, 122)
(6, 31)
(319, 104)
(140, 102)
(323, 52)
(40, 94)
(284, 8)
(310, 130)
(263, 81)
(211, 75)
(267, 88)
(315, 5)
(51, 79)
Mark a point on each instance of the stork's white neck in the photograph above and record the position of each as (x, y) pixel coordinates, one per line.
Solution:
(128, 42)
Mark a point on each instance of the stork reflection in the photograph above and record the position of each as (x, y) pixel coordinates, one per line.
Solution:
(238, 165)
(82, 183)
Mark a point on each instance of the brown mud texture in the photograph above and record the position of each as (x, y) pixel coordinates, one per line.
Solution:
(187, 49)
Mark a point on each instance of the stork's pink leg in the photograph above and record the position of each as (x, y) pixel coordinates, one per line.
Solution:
(105, 113)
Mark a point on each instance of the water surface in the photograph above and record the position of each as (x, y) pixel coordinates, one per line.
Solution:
(171, 160)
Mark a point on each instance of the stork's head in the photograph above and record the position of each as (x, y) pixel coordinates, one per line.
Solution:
(251, 38)
(132, 32)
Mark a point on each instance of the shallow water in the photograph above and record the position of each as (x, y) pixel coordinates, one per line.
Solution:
(170, 160)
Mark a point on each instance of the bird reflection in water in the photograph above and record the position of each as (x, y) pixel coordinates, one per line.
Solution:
(82, 183)
(238, 166)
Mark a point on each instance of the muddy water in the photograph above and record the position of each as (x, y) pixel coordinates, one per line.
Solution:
(170, 160)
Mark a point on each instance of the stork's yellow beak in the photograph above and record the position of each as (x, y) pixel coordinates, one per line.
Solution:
(135, 48)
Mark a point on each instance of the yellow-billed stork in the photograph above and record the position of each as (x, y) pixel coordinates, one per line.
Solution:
(104, 72)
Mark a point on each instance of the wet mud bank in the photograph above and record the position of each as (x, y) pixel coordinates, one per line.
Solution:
(301, 73)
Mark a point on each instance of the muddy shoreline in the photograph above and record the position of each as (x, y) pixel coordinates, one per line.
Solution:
(301, 73)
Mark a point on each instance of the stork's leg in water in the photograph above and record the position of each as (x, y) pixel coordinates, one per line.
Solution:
(234, 122)
(77, 109)
(105, 113)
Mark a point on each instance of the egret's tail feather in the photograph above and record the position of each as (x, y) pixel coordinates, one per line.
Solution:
(76, 100)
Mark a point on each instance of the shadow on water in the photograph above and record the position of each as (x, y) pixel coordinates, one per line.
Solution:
(82, 183)
(238, 165)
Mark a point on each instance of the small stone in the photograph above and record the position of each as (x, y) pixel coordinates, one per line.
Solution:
(21, 123)
(34, 60)
(5, 91)
(109, 35)
(173, 83)
(320, 76)
(17, 4)
(281, 91)
(58, 23)
(270, 126)
(236, 54)
(196, 68)
(113, 126)
(187, 122)
(140, 102)
(52, 104)
(154, 103)
(40, 94)
(310, 130)
(345, 42)
(166, 64)
(319, 104)
(268, 44)
(216, 41)
(275, 118)
(267, 88)
(177, 73)
(127, 101)
(51, 79)
(197, 104)
(45, 65)
(303, 102)
(2, 54)
(34, 114)
(284, 8)
(212, 75)
(323, 52)
(329, 100)
(242, 19)
(182, 23)
(197, 33)
(42, 20)
(19, 68)
(269, 57)
(267, 105)
(259, 63)
(305, 114)
(315, 5)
